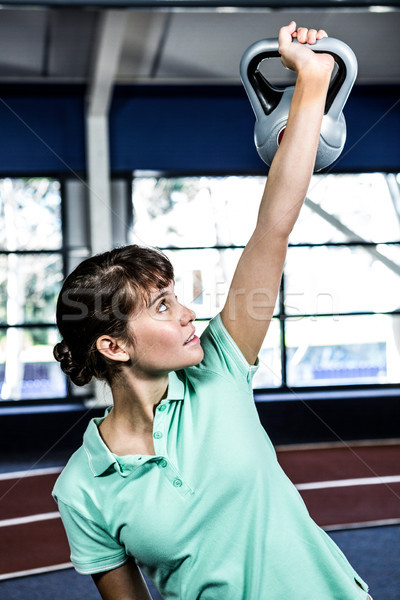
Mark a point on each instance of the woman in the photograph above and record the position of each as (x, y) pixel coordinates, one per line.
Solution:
(180, 478)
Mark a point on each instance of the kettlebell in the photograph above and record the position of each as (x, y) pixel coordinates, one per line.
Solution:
(271, 105)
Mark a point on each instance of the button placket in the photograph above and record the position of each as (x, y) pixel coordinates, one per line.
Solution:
(174, 477)
(165, 465)
(159, 430)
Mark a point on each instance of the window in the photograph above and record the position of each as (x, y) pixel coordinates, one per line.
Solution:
(337, 320)
(342, 283)
(31, 273)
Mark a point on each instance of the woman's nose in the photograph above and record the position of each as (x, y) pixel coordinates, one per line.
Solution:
(187, 315)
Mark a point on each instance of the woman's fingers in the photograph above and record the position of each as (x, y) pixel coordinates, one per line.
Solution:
(309, 36)
(302, 34)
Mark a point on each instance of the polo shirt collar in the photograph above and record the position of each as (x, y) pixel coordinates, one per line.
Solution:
(99, 456)
(176, 386)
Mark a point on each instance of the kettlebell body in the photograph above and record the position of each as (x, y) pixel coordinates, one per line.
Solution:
(271, 105)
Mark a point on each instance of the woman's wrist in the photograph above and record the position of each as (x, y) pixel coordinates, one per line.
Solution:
(319, 69)
(313, 82)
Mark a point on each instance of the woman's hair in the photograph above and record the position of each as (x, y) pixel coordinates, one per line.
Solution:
(97, 299)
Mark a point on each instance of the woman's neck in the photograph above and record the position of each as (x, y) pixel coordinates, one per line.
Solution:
(128, 428)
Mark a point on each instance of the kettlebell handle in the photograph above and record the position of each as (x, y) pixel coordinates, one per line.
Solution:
(264, 97)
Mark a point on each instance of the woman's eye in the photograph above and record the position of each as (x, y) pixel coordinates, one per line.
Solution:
(162, 307)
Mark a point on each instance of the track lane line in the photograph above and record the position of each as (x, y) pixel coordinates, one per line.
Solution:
(30, 473)
(38, 571)
(29, 519)
(361, 524)
(320, 485)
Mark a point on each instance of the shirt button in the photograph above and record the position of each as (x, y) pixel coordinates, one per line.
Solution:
(177, 482)
(162, 407)
(157, 435)
(163, 463)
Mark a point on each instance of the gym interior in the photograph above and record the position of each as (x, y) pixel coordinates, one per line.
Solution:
(126, 122)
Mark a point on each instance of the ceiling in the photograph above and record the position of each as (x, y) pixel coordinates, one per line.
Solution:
(41, 45)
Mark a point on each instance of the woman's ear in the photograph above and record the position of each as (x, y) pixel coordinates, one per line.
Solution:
(111, 348)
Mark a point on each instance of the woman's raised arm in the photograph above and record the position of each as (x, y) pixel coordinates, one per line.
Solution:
(255, 284)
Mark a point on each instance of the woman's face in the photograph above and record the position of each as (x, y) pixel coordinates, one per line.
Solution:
(164, 335)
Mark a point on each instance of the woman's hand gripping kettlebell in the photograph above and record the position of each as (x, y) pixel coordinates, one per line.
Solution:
(296, 56)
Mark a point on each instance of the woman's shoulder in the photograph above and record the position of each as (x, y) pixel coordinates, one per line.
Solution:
(72, 478)
(221, 354)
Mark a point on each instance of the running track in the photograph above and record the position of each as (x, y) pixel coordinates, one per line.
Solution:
(342, 486)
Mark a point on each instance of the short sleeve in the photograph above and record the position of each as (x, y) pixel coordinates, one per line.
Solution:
(93, 549)
(222, 355)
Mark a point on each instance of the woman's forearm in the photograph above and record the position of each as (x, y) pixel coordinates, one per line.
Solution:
(293, 164)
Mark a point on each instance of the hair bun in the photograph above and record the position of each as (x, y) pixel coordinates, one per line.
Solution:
(62, 352)
(78, 374)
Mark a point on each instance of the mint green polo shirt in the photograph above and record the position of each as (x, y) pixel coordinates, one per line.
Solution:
(211, 516)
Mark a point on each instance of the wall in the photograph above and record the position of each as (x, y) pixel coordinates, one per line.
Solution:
(191, 129)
